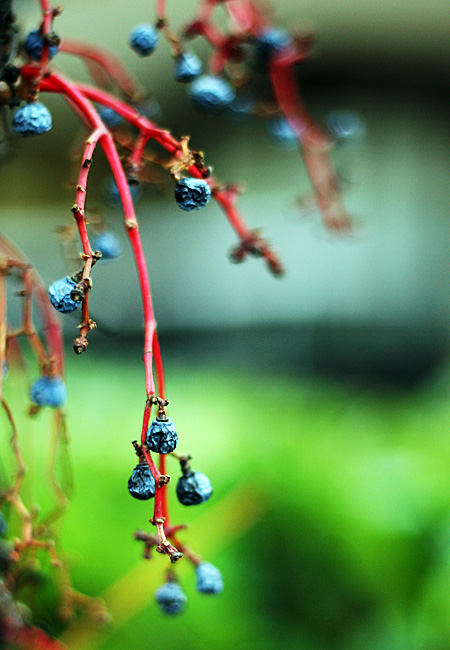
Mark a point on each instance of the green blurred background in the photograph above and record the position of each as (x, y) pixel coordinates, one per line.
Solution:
(318, 404)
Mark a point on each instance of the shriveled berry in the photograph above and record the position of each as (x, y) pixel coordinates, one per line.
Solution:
(283, 133)
(193, 488)
(171, 598)
(162, 436)
(188, 67)
(59, 294)
(241, 106)
(109, 117)
(32, 119)
(211, 94)
(272, 40)
(144, 39)
(49, 391)
(141, 484)
(208, 579)
(33, 46)
(107, 243)
(192, 193)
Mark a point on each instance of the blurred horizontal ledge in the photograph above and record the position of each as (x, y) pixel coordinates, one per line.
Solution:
(378, 354)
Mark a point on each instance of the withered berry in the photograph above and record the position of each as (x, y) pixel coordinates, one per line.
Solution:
(208, 579)
(171, 598)
(59, 294)
(141, 484)
(192, 193)
(32, 119)
(211, 94)
(144, 40)
(188, 67)
(107, 243)
(193, 488)
(162, 436)
(49, 391)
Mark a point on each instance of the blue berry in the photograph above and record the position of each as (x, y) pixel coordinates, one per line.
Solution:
(346, 127)
(208, 579)
(272, 40)
(49, 391)
(3, 525)
(211, 94)
(283, 132)
(109, 117)
(107, 243)
(188, 67)
(192, 193)
(162, 436)
(144, 39)
(241, 106)
(171, 598)
(141, 484)
(32, 119)
(193, 488)
(59, 294)
(34, 43)
(112, 192)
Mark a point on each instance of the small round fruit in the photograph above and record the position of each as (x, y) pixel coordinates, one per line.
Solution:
(188, 67)
(109, 117)
(107, 243)
(211, 94)
(208, 579)
(162, 436)
(49, 391)
(141, 484)
(32, 119)
(272, 40)
(60, 295)
(346, 127)
(171, 598)
(33, 46)
(144, 39)
(192, 193)
(193, 488)
(112, 194)
(283, 133)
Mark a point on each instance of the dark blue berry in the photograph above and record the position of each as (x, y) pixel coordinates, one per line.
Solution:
(49, 391)
(211, 94)
(112, 192)
(193, 488)
(171, 598)
(109, 117)
(272, 40)
(33, 46)
(59, 294)
(107, 243)
(162, 436)
(144, 39)
(208, 579)
(283, 133)
(188, 67)
(141, 484)
(32, 119)
(3, 525)
(192, 193)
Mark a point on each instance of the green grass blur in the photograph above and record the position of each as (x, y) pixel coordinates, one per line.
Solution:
(330, 519)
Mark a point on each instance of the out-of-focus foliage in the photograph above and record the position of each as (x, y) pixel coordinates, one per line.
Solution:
(330, 519)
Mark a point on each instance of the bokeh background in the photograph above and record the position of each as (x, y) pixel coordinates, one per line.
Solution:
(318, 404)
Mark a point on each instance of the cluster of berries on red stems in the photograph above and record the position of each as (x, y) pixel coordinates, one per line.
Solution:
(144, 40)
(192, 193)
(32, 119)
(49, 391)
